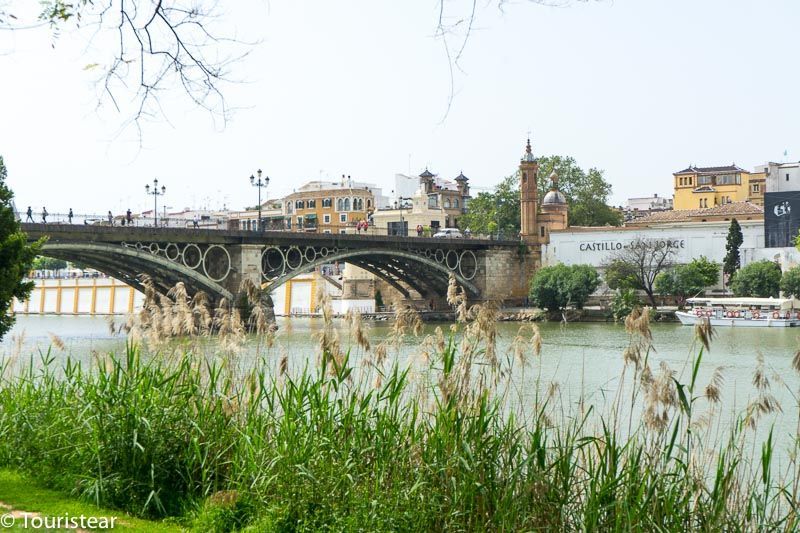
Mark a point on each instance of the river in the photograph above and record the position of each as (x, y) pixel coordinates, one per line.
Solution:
(580, 357)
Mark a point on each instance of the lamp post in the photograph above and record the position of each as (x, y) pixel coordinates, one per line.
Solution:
(402, 227)
(156, 193)
(259, 183)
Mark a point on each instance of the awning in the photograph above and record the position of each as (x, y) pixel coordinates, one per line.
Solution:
(311, 216)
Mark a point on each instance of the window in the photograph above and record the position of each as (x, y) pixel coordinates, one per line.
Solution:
(524, 177)
(298, 204)
(433, 200)
(787, 176)
(343, 232)
(704, 180)
(289, 208)
(369, 203)
(358, 204)
(327, 231)
(541, 231)
(447, 203)
(343, 217)
(346, 204)
(326, 202)
(729, 179)
(455, 203)
(326, 219)
(299, 222)
(701, 203)
(340, 204)
(311, 203)
(756, 187)
(690, 180)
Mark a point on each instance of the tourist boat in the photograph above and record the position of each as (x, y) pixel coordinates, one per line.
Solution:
(742, 312)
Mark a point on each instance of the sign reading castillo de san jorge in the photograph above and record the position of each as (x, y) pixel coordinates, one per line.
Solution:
(611, 246)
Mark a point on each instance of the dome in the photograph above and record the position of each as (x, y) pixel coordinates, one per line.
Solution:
(554, 197)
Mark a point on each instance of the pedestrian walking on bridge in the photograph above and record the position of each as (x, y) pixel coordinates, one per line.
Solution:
(110, 219)
(30, 214)
(69, 215)
(44, 215)
(129, 217)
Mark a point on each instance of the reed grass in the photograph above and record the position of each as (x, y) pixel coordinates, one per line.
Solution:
(356, 441)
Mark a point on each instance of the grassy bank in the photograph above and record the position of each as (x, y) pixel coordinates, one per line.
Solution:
(445, 443)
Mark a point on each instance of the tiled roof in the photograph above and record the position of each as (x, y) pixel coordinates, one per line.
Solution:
(426, 174)
(733, 209)
(706, 170)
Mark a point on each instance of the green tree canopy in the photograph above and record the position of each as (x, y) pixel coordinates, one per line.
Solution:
(790, 282)
(685, 281)
(761, 279)
(48, 263)
(558, 287)
(16, 256)
(587, 195)
(732, 260)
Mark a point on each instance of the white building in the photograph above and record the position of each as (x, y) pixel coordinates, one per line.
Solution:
(649, 203)
(594, 246)
(781, 177)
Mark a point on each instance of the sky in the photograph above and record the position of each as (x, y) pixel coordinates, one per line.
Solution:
(638, 88)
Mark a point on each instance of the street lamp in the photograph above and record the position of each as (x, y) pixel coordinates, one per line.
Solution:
(402, 199)
(156, 193)
(259, 183)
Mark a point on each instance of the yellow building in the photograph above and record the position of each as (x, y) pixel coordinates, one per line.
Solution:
(758, 185)
(328, 207)
(705, 187)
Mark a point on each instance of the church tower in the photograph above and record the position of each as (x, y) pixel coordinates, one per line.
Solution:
(528, 178)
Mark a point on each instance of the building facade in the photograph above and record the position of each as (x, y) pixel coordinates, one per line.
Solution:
(437, 203)
(328, 207)
(638, 207)
(705, 187)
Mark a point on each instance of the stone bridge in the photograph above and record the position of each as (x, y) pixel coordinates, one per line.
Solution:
(217, 262)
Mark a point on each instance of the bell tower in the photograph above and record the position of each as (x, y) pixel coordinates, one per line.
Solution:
(528, 179)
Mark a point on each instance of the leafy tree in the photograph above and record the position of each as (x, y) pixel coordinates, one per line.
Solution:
(16, 256)
(623, 303)
(790, 282)
(732, 261)
(685, 281)
(557, 287)
(48, 263)
(586, 194)
(761, 279)
(637, 265)
(495, 212)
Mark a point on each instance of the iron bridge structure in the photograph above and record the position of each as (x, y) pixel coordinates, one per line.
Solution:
(217, 261)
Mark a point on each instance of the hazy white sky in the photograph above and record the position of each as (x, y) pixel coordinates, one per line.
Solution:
(639, 88)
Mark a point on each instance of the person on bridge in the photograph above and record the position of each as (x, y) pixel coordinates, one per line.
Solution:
(419, 230)
(110, 219)
(44, 215)
(69, 215)
(129, 217)
(30, 214)
(195, 222)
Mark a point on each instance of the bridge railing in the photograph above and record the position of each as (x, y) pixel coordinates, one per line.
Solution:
(221, 223)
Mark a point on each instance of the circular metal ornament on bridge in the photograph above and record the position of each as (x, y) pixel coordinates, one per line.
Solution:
(427, 252)
(323, 251)
(273, 263)
(216, 263)
(192, 256)
(294, 257)
(468, 265)
(172, 252)
(310, 254)
(451, 259)
(154, 248)
(439, 256)
(139, 246)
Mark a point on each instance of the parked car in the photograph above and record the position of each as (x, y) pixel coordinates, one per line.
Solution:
(448, 233)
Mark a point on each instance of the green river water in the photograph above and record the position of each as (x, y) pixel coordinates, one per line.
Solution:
(581, 357)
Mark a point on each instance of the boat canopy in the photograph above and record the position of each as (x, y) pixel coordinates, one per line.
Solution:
(780, 303)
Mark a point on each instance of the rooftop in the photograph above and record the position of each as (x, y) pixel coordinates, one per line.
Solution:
(733, 209)
(691, 169)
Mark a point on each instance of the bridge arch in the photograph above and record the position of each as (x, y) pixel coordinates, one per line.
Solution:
(126, 263)
(420, 273)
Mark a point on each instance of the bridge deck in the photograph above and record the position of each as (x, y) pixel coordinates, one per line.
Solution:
(100, 233)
